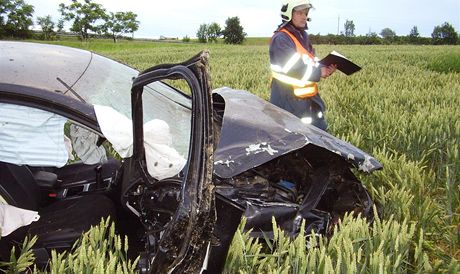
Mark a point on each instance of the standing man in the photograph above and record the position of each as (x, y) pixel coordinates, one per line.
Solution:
(295, 69)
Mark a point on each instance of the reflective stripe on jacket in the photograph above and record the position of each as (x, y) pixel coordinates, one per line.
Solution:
(309, 109)
(303, 61)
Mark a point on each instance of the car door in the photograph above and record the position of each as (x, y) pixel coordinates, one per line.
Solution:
(183, 242)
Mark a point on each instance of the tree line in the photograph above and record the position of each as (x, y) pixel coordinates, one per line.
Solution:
(85, 17)
(233, 32)
(89, 18)
(444, 34)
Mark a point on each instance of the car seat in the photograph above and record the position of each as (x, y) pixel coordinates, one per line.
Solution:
(61, 223)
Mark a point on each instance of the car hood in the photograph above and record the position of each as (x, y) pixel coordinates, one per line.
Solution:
(254, 132)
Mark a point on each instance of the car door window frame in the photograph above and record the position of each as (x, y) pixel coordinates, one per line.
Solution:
(179, 245)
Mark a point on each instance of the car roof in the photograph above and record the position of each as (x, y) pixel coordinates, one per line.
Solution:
(38, 75)
(43, 75)
(36, 65)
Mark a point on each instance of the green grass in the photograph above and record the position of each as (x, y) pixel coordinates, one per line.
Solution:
(100, 250)
(386, 246)
(402, 108)
(448, 62)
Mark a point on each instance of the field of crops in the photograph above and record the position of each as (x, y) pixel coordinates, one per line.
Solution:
(403, 108)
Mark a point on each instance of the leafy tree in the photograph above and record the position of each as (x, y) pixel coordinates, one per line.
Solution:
(15, 18)
(202, 33)
(414, 32)
(121, 22)
(233, 32)
(132, 24)
(85, 17)
(214, 32)
(349, 27)
(414, 35)
(3, 10)
(60, 25)
(444, 34)
(387, 33)
(47, 26)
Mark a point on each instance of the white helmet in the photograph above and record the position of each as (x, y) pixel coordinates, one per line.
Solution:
(289, 5)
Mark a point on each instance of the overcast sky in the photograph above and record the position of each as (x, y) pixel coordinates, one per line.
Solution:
(260, 17)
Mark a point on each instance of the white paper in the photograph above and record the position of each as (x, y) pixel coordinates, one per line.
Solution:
(338, 54)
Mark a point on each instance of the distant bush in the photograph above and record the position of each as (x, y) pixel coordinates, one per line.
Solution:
(444, 35)
(370, 39)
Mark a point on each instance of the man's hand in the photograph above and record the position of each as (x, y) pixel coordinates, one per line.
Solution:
(327, 71)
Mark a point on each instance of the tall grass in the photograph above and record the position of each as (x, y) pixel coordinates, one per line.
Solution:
(22, 263)
(386, 246)
(402, 107)
(100, 250)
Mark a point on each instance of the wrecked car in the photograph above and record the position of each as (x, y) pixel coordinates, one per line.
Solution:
(84, 137)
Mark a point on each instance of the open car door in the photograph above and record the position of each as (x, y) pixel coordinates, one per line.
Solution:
(177, 229)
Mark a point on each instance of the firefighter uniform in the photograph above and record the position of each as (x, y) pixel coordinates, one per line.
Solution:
(295, 74)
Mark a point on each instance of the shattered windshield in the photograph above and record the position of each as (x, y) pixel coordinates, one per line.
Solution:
(108, 83)
(96, 80)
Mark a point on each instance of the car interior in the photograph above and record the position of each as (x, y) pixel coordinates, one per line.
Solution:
(69, 199)
(66, 210)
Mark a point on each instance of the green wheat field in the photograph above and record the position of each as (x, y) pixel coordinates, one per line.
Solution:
(402, 107)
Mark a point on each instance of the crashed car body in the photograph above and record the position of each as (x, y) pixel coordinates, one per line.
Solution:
(84, 137)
